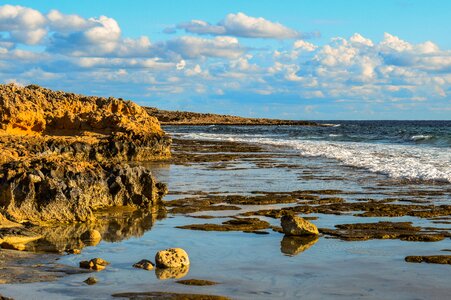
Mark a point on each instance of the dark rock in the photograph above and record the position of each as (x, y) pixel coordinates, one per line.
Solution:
(433, 259)
(168, 295)
(144, 264)
(196, 282)
(90, 281)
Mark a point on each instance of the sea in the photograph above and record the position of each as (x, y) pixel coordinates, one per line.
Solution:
(399, 161)
(412, 150)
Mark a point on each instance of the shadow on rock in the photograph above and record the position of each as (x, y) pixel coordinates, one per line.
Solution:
(293, 245)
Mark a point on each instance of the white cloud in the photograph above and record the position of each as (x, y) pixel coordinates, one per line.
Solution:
(195, 47)
(25, 25)
(241, 25)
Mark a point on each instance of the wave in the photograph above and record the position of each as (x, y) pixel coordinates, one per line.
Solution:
(335, 135)
(331, 125)
(396, 161)
(421, 137)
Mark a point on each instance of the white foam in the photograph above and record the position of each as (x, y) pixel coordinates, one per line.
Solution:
(421, 137)
(397, 161)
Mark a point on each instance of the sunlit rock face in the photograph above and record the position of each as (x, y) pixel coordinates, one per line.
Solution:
(64, 155)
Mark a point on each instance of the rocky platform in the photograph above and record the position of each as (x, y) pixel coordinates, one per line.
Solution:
(64, 156)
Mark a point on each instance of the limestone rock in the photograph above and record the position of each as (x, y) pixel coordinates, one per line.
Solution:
(294, 225)
(97, 264)
(144, 264)
(64, 155)
(171, 258)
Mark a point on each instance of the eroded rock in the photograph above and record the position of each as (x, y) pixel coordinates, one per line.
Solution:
(144, 264)
(294, 225)
(171, 258)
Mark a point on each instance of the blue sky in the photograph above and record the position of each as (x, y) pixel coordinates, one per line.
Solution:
(281, 59)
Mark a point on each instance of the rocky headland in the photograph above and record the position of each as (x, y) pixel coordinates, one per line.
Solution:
(167, 117)
(65, 156)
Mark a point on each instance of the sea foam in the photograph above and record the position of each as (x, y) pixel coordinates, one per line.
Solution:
(396, 161)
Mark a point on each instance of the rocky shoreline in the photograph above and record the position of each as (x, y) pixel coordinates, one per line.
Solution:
(167, 117)
(65, 156)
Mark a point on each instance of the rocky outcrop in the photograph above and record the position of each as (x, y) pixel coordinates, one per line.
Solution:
(65, 155)
(167, 117)
(294, 225)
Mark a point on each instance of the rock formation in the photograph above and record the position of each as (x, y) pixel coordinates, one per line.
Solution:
(64, 155)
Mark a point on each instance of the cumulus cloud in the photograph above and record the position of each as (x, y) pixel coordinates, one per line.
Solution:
(24, 25)
(195, 47)
(93, 53)
(241, 25)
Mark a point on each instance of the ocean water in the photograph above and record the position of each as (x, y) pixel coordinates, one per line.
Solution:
(411, 150)
(364, 160)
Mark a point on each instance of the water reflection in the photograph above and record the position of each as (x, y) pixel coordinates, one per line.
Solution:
(114, 226)
(293, 245)
(172, 273)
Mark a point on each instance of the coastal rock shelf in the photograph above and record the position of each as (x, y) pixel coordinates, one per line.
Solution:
(64, 155)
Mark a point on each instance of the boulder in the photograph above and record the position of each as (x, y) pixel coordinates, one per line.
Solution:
(144, 264)
(97, 264)
(171, 258)
(91, 237)
(294, 225)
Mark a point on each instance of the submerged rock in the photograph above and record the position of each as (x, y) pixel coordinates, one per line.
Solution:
(144, 264)
(172, 258)
(294, 225)
(433, 259)
(168, 295)
(90, 281)
(237, 224)
(196, 282)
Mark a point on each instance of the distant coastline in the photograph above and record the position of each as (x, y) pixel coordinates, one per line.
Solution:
(167, 117)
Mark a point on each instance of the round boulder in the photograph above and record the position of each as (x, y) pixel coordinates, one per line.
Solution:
(91, 237)
(294, 225)
(171, 258)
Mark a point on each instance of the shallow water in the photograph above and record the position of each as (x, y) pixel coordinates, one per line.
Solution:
(250, 266)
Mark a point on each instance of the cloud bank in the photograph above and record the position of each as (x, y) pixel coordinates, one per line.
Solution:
(352, 74)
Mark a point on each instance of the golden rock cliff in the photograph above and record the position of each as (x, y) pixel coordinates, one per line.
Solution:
(64, 155)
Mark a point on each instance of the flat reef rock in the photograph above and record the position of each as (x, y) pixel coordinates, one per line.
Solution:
(65, 155)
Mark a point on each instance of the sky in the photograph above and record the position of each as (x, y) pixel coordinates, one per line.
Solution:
(311, 60)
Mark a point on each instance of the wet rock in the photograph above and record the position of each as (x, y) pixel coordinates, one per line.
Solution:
(383, 230)
(90, 281)
(91, 237)
(63, 155)
(433, 259)
(236, 224)
(293, 245)
(168, 295)
(19, 247)
(96, 264)
(294, 225)
(196, 282)
(171, 273)
(171, 258)
(144, 264)
(73, 251)
(5, 298)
